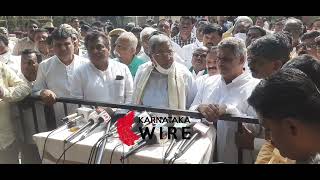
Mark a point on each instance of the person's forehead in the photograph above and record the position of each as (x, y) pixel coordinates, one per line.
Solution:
(200, 50)
(99, 40)
(123, 41)
(162, 46)
(62, 40)
(184, 20)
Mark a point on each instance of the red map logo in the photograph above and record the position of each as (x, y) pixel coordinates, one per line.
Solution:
(124, 124)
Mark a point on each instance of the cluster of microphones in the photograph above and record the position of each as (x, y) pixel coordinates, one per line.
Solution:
(88, 120)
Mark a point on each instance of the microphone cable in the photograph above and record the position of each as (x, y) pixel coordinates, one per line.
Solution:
(114, 150)
(45, 142)
(64, 152)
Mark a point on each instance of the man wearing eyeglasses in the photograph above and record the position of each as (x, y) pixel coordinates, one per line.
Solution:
(162, 82)
(199, 62)
(308, 44)
(27, 42)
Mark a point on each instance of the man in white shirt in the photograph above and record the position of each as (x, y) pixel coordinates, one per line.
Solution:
(187, 50)
(227, 93)
(28, 73)
(199, 68)
(102, 79)
(55, 74)
(5, 55)
(162, 82)
(211, 66)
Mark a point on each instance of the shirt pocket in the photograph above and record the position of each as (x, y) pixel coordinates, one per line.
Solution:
(118, 90)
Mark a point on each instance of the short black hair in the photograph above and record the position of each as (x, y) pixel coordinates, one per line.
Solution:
(109, 28)
(73, 18)
(310, 35)
(41, 30)
(32, 21)
(4, 39)
(289, 93)
(136, 30)
(86, 28)
(212, 28)
(260, 29)
(26, 52)
(94, 35)
(193, 20)
(271, 47)
(307, 64)
(61, 33)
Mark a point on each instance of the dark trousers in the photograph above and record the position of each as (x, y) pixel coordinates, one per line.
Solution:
(30, 154)
(10, 154)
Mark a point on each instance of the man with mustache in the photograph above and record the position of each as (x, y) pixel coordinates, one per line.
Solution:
(185, 35)
(102, 79)
(27, 42)
(227, 93)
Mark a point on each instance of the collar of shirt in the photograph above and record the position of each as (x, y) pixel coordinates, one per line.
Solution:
(197, 43)
(70, 66)
(102, 74)
(245, 76)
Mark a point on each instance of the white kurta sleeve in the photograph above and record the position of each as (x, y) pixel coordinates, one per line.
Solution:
(40, 82)
(192, 90)
(77, 88)
(128, 86)
(197, 100)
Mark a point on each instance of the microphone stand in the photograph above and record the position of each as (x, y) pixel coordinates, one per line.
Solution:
(103, 145)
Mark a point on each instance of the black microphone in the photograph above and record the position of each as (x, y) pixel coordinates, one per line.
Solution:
(142, 143)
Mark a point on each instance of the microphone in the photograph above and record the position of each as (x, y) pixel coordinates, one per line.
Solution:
(83, 128)
(141, 143)
(68, 118)
(103, 117)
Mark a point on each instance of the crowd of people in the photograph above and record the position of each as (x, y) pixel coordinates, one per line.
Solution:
(238, 67)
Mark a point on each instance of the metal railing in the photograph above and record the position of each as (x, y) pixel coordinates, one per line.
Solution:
(51, 122)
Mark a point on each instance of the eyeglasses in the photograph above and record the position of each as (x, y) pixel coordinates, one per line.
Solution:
(202, 56)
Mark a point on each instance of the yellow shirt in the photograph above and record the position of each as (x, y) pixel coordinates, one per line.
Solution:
(271, 155)
(14, 89)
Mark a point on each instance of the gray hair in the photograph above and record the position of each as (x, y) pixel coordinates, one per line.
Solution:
(156, 40)
(236, 45)
(146, 32)
(243, 19)
(133, 41)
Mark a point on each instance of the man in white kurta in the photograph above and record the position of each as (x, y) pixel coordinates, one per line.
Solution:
(227, 94)
(54, 75)
(162, 82)
(102, 79)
